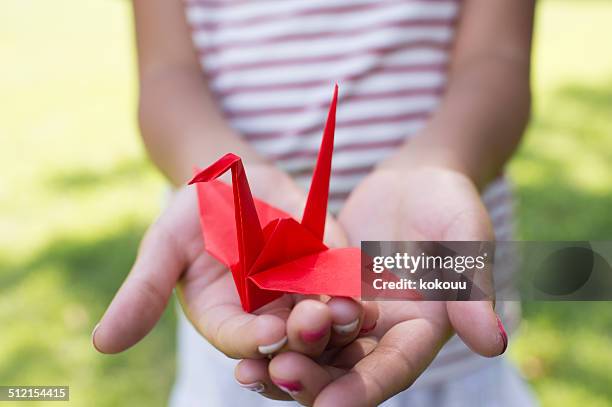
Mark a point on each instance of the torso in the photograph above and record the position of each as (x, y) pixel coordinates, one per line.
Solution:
(272, 66)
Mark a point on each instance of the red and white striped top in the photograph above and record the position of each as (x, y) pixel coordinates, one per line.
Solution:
(272, 66)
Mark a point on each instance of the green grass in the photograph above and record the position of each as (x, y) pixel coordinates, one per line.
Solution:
(75, 196)
(563, 173)
(77, 193)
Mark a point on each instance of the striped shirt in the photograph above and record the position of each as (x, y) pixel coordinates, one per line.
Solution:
(272, 65)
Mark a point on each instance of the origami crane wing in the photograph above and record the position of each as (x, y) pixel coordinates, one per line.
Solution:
(217, 219)
(334, 272)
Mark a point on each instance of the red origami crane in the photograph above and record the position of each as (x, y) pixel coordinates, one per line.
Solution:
(285, 256)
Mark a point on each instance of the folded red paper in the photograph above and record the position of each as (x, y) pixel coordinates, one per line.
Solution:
(285, 256)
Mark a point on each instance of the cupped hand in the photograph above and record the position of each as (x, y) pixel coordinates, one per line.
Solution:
(172, 255)
(426, 203)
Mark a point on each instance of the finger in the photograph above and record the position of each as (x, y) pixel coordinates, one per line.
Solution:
(347, 316)
(478, 326)
(352, 353)
(400, 357)
(232, 331)
(252, 375)
(334, 233)
(300, 377)
(370, 317)
(142, 298)
(240, 335)
(308, 327)
(215, 311)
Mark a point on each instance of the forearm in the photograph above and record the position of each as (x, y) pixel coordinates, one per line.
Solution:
(479, 123)
(486, 107)
(181, 125)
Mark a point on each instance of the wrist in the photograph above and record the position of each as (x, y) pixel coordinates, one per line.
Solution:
(427, 150)
(417, 156)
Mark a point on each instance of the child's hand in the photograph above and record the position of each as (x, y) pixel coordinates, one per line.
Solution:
(172, 254)
(427, 203)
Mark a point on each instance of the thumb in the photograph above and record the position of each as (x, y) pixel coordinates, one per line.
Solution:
(142, 298)
(335, 236)
(478, 326)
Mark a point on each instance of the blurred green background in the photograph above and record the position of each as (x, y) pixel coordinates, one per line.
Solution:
(76, 194)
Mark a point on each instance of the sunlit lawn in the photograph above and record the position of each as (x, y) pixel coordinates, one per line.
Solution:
(76, 193)
(564, 178)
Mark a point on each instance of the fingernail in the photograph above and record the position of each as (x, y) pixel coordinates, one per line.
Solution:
(93, 336)
(503, 334)
(366, 330)
(346, 328)
(314, 336)
(273, 347)
(257, 387)
(288, 387)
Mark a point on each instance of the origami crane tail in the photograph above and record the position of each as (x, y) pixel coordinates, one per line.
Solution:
(250, 234)
(315, 211)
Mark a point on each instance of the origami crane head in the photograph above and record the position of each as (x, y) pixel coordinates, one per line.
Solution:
(285, 256)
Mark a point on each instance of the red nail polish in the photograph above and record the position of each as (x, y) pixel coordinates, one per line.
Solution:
(288, 386)
(366, 330)
(313, 336)
(502, 332)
